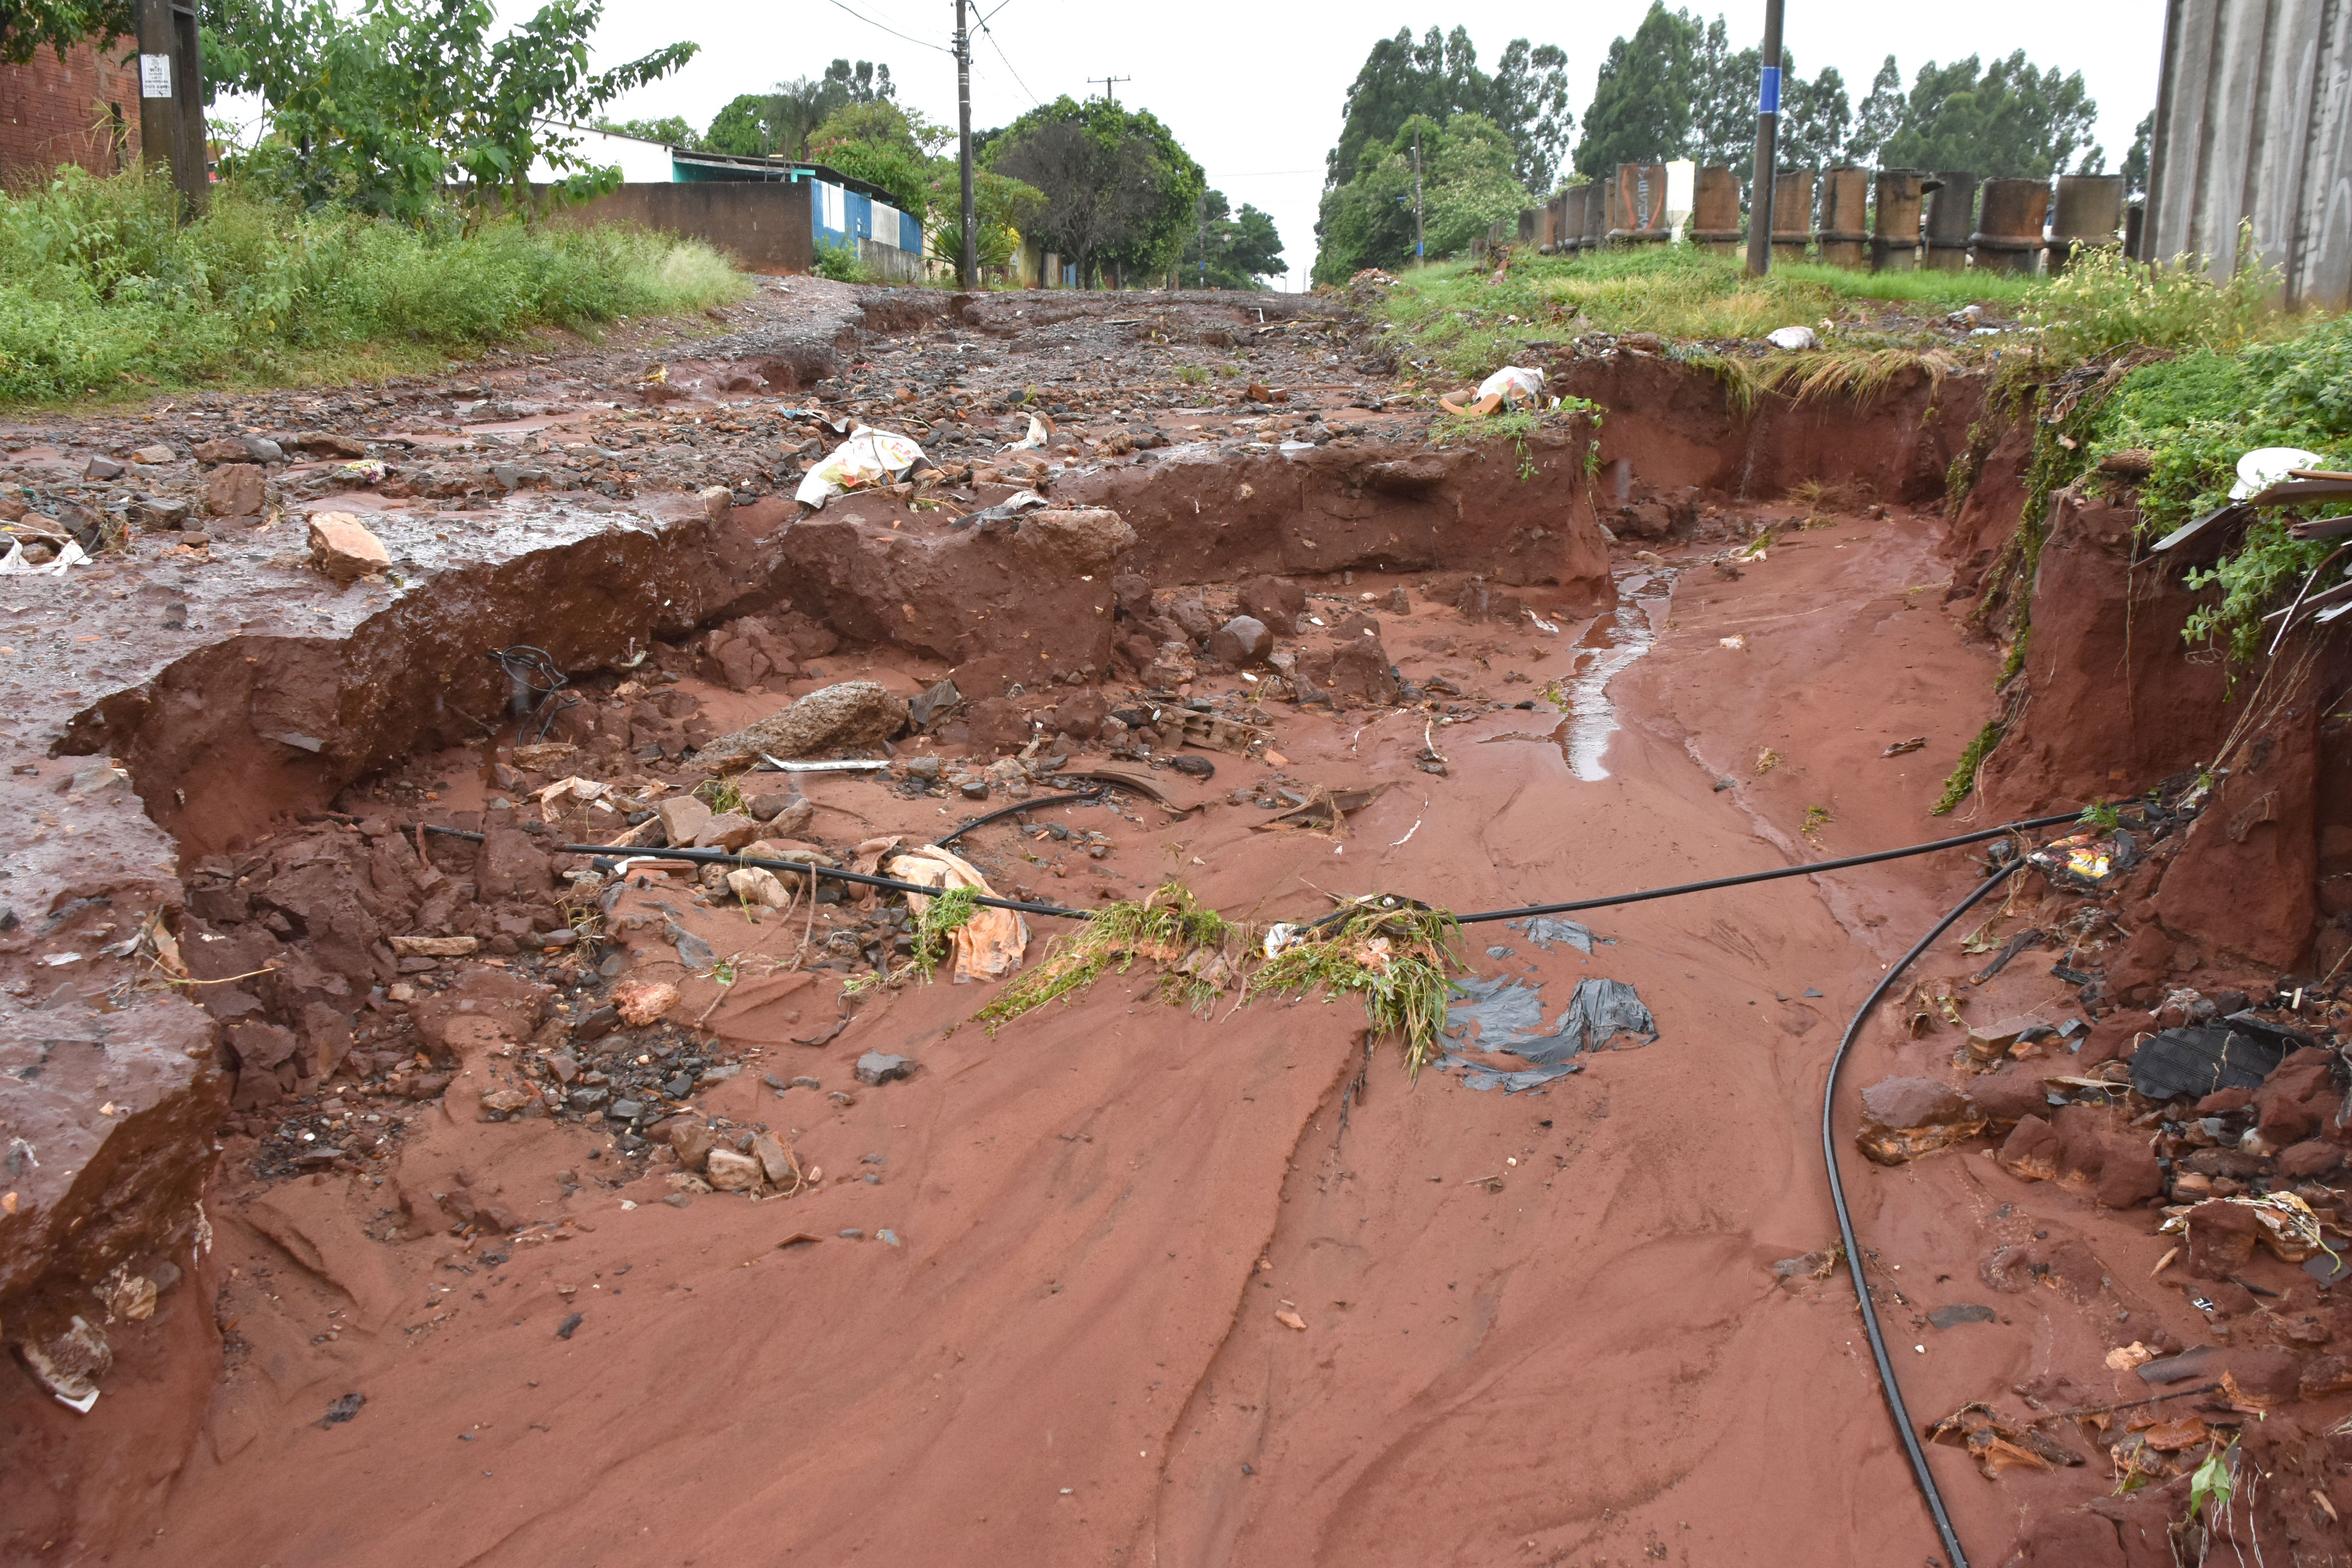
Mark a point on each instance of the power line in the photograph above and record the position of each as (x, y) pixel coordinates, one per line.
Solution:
(893, 31)
(1000, 4)
(1110, 85)
(1002, 56)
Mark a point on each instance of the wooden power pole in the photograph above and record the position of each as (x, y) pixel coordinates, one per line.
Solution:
(171, 98)
(1767, 127)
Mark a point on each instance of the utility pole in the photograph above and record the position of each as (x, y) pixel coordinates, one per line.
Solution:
(1768, 128)
(1418, 256)
(968, 267)
(170, 97)
(1110, 85)
(1204, 239)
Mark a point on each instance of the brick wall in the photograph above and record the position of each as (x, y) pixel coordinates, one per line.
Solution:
(57, 111)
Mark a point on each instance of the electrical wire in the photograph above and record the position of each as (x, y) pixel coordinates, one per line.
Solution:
(1087, 797)
(893, 31)
(801, 868)
(1005, 57)
(1886, 1380)
(1805, 868)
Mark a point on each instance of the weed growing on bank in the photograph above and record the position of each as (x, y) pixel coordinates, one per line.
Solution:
(101, 293)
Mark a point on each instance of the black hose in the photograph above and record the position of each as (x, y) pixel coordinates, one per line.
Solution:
(1886, 1381)
(727, 857)
(1016, 809)
(1806, 869)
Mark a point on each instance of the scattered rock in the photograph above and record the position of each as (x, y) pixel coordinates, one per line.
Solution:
(1904, 1117)
(1241, 643)
(640, 1001)
(343, 548)
(2222, 1237)
(875, 1068)
(157, 453)
(853, 713)
(730, 1172)
(683, 816)
(728, 830)
(234, 490)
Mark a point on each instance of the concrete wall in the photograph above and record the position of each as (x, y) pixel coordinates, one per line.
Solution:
(56, 111)
(2253, 123)
(766, 226)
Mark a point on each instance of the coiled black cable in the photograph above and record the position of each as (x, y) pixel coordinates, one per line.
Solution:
(1887, 1381)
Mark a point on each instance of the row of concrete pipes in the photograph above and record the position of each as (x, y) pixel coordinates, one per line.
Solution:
(1944, 222)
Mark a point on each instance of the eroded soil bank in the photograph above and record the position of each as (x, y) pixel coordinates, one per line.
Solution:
(461, 1290)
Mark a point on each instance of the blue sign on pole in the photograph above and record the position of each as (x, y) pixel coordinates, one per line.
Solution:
(1768, 92)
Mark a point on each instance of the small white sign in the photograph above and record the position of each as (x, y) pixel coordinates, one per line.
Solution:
(154, 76)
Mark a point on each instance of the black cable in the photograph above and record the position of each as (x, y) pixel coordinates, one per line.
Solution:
(722, 856)
(1886, 1382)
(522, 663)
(1806, 869)
(1016, 809)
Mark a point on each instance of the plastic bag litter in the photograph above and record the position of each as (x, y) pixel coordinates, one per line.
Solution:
(2263, 467)
(988, 946)
(1517, 385)
(70, 554)
(1793, 339)
(869, 458)
(1039, 433)
(1007, 511)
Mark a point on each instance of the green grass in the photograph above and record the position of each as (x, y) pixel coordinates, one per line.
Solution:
(102, 294)
(1171, 929)
(1399, 957)
(942, 914)
(1454, 313)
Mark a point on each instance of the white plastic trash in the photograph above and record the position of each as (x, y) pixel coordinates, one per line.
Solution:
(1516, 384)
(1793, 339)
(1035, 439)
(2263, 467)
(868, 458)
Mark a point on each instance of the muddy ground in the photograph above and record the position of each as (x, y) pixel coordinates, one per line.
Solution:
(383, 1251)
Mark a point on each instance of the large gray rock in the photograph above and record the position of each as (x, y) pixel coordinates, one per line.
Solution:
(1241, 642)
(854, 713)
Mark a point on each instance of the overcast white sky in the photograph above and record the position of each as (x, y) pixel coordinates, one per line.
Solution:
(1254, 90)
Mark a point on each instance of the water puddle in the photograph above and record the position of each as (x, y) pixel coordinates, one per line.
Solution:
(1607, 647)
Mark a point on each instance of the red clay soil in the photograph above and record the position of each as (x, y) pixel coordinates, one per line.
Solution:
(1141, 1286)
(1541, 1327)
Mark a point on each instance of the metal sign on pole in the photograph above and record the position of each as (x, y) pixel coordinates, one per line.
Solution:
(171, 98)
(1767, 123)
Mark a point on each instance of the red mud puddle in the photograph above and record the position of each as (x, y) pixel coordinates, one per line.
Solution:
(1539, 1328)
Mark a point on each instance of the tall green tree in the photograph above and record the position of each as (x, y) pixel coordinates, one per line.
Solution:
(2009, 119)
(778, 124)
(673, 130)
(377, 109)
(1879, 118)
(1469, 180)
(1644, 102)
(2135, 168)
(883, 144)
(1242, 248)
(1439, 76)
(1816, 118)
(27, 24)
(1119, 190)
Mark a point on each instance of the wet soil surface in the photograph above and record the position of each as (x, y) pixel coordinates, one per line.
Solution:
(1119, 1282)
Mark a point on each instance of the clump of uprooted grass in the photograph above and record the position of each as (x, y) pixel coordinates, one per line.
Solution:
(943, 914)
(1398, 956)
(1197, 950)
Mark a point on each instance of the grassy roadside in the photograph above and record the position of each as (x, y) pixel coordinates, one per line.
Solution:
(103, 296)
(1456, 315)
